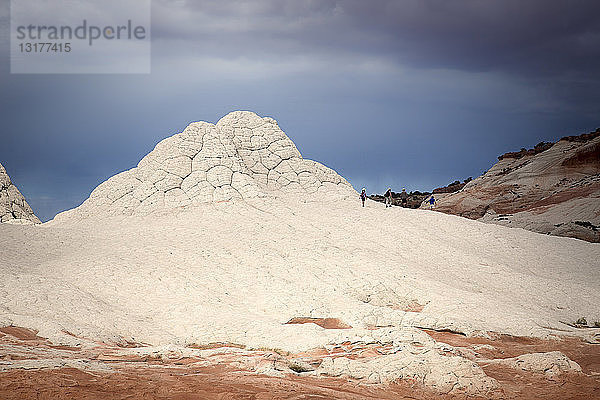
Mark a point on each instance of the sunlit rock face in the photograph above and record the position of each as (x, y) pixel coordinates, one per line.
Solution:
(13, 206)
(553, 189)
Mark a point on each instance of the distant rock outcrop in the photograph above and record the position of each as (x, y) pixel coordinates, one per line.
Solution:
(13, 207)
(452, 187)
(243, 156)
(413, 199)
(553, 189)
(540, 147)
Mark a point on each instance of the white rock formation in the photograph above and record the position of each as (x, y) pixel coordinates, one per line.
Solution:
(243, 156)
(13, 207)
(155, 256)
(552, 364)
(444, 374)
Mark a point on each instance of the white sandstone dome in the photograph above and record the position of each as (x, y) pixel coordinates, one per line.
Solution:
(243, 156)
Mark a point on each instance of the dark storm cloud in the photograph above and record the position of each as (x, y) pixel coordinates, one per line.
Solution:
(534, 37)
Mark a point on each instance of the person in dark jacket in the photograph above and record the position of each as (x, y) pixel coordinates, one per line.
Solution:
(363, 196)
(387, 197)
(404, 197)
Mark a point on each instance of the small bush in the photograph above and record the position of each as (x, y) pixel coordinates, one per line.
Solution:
(581, 321)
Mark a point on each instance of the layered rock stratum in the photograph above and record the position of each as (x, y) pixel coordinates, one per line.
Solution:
(225, 237)
(552, 189)
(13, 206)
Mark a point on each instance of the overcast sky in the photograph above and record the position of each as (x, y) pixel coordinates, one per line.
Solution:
(401, 93)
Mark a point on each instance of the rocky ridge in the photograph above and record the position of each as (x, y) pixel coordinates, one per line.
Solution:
(552, 189)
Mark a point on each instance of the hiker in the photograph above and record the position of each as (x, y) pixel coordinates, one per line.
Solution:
(431, 202)
(404, 197)
(363, 196)
(388, 198)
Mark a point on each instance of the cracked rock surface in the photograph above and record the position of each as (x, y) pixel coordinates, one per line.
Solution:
(551, 364)
(444, 374)
(13, 206)
(241, 157)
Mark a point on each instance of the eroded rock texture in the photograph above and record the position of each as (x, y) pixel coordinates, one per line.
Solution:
(241, 157)
(444, 374)
(553, 189)
(13, 207)
(552, 364)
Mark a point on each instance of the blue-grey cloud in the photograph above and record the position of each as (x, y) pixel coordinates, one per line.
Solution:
(534, 37)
